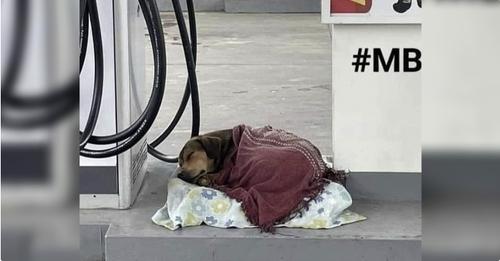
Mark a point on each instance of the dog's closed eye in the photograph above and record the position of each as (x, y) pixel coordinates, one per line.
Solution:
(185, 157)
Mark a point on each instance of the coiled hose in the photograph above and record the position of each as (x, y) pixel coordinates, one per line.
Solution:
(128, 137)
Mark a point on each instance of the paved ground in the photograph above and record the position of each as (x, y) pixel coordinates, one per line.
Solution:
(391, 232)
(256, 69)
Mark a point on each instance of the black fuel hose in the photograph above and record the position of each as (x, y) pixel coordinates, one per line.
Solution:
(10, 75)
(84, 32)
(31, 111)
(47, 116)
(153, 22)
(93, 14)
(124, 134)
(190, 88)
(139, 128)
(155, 98)
(60, 95)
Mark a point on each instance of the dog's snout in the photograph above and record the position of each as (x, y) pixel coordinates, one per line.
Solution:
(184, 176)
(177, 172)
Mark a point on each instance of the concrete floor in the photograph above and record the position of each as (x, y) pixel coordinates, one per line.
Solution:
(394, 220)
(391, 232)
(256, 69)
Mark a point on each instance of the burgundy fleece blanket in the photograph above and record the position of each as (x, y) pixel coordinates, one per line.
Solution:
(273, 174)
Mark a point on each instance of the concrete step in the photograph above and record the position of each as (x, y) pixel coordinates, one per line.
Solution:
(391, 232)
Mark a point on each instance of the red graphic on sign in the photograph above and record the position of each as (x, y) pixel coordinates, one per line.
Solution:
(350, 6)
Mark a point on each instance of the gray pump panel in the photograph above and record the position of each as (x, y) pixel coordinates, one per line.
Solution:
(114, 182)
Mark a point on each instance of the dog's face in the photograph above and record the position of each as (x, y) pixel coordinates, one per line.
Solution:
(197, 159)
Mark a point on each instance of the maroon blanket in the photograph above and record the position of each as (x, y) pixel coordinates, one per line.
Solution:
(273, 174)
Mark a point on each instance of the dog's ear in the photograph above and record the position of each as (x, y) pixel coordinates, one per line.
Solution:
(186, 151)
(212, 146)
(181, 156)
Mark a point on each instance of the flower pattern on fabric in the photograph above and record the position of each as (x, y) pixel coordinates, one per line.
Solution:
(198, 207)
(208, 193)
(228, 223)
(219, 206)
(191, 220)
(211, 220)
(193, 194)
(317, 223)
(190, 205)
(318, 199)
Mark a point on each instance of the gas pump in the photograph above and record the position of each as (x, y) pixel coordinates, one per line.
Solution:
(113, 146)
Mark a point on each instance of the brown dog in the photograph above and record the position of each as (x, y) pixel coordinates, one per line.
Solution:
(203, 156)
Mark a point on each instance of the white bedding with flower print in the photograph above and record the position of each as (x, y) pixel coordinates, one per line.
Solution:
(191, 205)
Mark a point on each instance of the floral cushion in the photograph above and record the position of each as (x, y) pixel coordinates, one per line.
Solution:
(191, 205)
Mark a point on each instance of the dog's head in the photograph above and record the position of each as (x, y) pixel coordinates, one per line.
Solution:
(198, 158)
